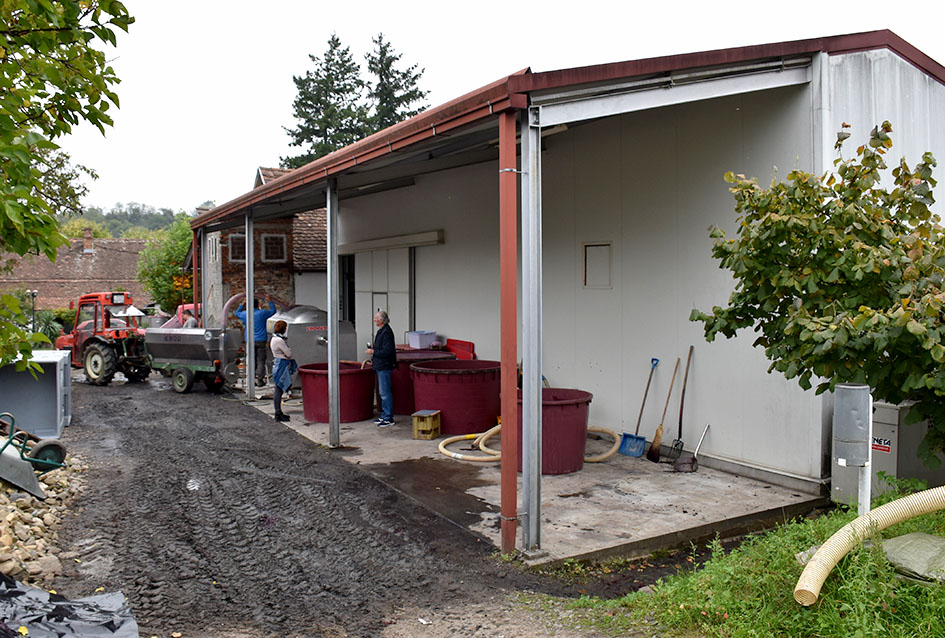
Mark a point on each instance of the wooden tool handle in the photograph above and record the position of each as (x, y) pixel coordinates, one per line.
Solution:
(670, 393)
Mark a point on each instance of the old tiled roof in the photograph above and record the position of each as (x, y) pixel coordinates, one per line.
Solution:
(309, 236)
(266, 175)
(111, 265)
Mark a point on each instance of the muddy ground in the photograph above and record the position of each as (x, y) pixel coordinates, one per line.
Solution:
(216, 521)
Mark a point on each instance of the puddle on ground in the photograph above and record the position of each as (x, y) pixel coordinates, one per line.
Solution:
(440, 485)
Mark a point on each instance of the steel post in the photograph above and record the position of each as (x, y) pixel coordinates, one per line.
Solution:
(508, 276)
(250, 315)
(334, 420)
(531, 331)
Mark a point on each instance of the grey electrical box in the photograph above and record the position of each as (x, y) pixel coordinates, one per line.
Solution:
(852, 404)
(894, 448)
(41, 405)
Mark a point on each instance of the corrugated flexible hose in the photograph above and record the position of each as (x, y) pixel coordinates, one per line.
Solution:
(847, 537)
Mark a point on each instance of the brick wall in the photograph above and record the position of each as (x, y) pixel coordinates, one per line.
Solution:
(273, 278)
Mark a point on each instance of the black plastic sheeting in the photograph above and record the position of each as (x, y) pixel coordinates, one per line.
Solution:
(47, 615)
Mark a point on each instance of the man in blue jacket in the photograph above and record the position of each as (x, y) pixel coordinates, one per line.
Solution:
(384, 360)
(259, 334)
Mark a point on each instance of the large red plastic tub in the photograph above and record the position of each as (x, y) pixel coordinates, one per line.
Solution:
(563, 429)
(401, 379)
(355, 392)
(465, 392)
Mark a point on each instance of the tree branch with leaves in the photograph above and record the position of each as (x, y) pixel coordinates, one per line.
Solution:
(52, 77)
(843, 279)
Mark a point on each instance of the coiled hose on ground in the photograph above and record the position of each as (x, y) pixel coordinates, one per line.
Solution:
(494, 456)
(846, 538)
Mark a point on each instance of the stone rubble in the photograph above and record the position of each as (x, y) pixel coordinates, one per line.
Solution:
(29, 551)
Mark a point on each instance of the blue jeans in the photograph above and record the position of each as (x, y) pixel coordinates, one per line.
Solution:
(387, 397)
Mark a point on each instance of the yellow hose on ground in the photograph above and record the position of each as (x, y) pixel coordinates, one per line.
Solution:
(600, 458)
(465, 457)
(846, 538)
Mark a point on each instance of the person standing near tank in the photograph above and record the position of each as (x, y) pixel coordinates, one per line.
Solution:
(259, 334)
(383, 360)
(283, 367)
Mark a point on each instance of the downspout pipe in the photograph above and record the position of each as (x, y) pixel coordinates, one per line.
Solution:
(508, 287)
(847, 537)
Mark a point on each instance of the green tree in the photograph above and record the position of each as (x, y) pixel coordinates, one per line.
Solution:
(160, 265)
(843, 279)
(52, 76)
(328, 106)
(392, 92)
(75, 227)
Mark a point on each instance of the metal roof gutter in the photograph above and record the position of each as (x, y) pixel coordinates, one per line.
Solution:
(482, 103)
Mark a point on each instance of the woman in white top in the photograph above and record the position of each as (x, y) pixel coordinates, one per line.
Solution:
(283, 367)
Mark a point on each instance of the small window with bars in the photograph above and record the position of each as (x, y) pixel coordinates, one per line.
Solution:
(237, 248)
(274, 248)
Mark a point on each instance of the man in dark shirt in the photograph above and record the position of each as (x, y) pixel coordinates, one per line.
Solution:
(259, 334)
(384, 360)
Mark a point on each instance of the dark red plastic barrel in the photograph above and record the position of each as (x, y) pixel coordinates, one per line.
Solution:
(402, 380)
(355, 392)
(563, 429)
(465, 392)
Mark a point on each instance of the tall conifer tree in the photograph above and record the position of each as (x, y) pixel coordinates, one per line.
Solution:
(328, 107)
(393, 92)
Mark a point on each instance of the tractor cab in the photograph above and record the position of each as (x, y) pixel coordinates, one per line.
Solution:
(105, 329)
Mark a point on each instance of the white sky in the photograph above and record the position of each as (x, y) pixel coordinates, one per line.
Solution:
(207, 84)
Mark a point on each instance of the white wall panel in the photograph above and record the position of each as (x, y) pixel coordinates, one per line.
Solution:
(869, 87)
(311, 288)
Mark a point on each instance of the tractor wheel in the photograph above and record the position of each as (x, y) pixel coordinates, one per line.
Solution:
(182, 379)
(214, 384)
(100, 363)
(47, 454)
(137, 374)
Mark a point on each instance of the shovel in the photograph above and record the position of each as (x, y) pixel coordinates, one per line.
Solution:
(689, 463)
(634, 444)
(677, 448)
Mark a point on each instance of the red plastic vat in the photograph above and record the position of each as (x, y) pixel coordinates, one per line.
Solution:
(563, 429)
(355, 392)
(402, 380)
(465, 392)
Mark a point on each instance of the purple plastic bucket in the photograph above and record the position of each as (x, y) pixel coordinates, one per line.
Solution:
(355, 392)
(563, 429)
(466, 392)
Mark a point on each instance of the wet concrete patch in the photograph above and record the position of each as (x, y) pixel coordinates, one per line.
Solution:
(440, 485)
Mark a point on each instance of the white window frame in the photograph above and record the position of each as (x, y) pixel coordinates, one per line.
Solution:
(285, 248)
(242, 242)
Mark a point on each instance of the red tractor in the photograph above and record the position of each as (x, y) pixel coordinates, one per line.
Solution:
(106, 339)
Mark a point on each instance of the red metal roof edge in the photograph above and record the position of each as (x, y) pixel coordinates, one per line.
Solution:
(831, 45)
(491, 98)
(511, 92)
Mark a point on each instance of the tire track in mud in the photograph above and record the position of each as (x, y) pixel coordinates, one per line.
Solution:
(207, 514)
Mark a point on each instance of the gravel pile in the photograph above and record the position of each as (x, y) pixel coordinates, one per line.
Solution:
(29, 550)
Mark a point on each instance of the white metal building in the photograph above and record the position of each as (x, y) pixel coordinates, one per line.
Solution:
(619, 175)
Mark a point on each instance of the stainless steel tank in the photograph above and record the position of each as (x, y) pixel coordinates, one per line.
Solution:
(307, 333)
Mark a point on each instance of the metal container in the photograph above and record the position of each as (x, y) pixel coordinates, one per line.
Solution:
(41, 405)
(307, 334)
(192, 346)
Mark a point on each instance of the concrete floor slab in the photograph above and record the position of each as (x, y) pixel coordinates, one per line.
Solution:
(625, 506)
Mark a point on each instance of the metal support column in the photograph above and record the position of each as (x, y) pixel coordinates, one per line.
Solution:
(531, 331)
(508, 292)
(334, 420)
(250, 315)
(196, 252)
(204, 245)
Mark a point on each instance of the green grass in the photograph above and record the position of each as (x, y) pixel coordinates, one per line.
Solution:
(748, 592)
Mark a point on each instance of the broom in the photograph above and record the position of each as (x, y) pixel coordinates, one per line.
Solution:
(654, 452)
